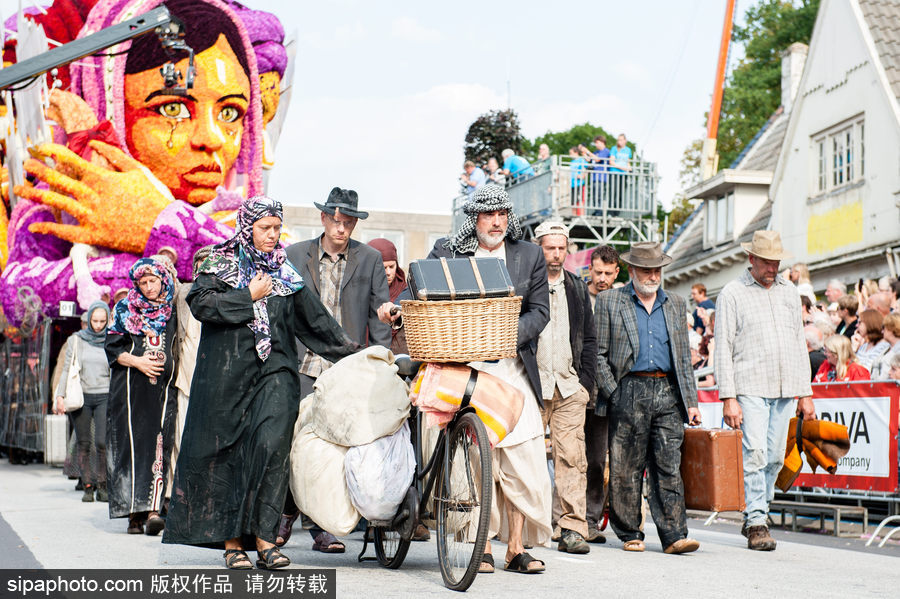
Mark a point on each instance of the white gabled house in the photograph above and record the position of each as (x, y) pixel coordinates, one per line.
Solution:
(836, 186)
(824, 171)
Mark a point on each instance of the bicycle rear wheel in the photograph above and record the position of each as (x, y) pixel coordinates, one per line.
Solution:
(462, 502)
(390, 547)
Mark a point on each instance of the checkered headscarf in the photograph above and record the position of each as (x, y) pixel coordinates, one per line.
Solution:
(486, 199)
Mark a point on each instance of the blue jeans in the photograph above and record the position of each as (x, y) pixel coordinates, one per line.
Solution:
(765, 428)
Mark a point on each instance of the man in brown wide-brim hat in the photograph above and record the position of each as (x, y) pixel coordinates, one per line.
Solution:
(762, 365)
(644, 373)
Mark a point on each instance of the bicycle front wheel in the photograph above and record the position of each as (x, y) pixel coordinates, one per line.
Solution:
(462, 501)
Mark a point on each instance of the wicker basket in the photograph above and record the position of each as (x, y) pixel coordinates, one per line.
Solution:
(462, 330)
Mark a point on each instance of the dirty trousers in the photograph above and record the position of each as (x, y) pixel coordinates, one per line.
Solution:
(646, 432)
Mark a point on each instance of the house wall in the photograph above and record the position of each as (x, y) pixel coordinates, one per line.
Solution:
(840, 82)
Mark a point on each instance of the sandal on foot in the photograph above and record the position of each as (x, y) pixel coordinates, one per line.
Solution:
(636, 545)
(487, 564)
(520, 564)
(237, 559)
(271, 558)
(285, 528)
(327, 543)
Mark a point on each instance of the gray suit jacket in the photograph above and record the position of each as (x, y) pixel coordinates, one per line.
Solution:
(528, 271)
(618, 343)
(363, 288)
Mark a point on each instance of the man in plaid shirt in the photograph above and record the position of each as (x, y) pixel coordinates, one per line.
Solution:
(761, 366)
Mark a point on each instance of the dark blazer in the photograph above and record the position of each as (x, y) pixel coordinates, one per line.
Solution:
(363, 288)
(617, 344)
(528, 271)
(582, 333)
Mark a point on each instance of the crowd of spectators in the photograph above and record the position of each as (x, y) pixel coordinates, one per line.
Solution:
(850, 336)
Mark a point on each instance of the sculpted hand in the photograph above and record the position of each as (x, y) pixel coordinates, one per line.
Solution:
(260, 286)
(115, 208)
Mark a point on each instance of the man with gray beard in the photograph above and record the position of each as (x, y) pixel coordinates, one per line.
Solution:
(644, 373)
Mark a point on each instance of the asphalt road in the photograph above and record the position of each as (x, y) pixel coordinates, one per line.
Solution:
(43, 524)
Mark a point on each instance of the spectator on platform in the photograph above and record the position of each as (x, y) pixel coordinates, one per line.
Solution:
(698, 294)
(495, 173)
(868, 342)
(815, 342)
(847, 307)
(599, 160)
(472, 178)
(577, 168)
(840, 363)
(543, 152)
(895, 295)
(891, 331)
(835, 290)
(619, 160)
(515, 167)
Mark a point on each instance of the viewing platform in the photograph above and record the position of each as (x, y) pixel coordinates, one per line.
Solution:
(599, 205)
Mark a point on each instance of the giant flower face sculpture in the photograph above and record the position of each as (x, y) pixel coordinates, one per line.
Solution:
(190, 142)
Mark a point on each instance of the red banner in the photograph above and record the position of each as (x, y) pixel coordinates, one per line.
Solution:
(869, 410)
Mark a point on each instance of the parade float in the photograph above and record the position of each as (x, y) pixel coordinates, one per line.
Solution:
(129, 128)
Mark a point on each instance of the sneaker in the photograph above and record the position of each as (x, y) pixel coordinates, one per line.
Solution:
(102, 494)
(595, 536)
(759, 539)
(572, 542)
(88, 496)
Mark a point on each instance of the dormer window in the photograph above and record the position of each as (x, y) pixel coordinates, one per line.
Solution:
(719, 219)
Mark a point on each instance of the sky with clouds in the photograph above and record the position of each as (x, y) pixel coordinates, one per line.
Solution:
(383, 92)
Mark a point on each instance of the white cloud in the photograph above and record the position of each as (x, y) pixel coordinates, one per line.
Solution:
(409, 29)
(341, 36)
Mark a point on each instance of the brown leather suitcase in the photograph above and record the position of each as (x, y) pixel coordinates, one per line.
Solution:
(712, 468)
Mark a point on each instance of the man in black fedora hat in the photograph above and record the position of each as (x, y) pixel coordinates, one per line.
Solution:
(349, 278)
(644, 373)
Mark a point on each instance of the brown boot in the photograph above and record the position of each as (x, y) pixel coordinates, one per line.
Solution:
(759, 539)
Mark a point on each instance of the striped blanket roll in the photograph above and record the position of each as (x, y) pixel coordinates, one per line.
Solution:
(438, 392)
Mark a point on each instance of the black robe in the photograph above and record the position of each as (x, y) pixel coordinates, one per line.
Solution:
(233, 468)
(140, 425)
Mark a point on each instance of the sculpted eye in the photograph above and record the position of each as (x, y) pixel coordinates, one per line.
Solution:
(229, 114)
(174, 110)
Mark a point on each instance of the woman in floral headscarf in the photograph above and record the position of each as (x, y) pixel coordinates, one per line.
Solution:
(142, 397)
(232, 472)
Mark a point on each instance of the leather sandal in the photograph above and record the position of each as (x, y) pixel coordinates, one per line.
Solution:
(521, 562)
(271, 558)
(635, 545)
(237, 559)
(487, 564)
(285, 528)
(327, 543)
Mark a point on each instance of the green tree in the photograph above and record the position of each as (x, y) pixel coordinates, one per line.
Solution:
(490, 134)
(560, 141)
(689, 173)
(753, 91)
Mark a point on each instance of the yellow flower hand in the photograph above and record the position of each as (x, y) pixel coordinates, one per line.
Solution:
(115, 207)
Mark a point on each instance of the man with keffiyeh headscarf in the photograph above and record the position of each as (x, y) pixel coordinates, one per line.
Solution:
(232, 471)
(521, 511)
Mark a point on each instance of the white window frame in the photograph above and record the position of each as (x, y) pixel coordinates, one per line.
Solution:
(719, 220)
(838, 156)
